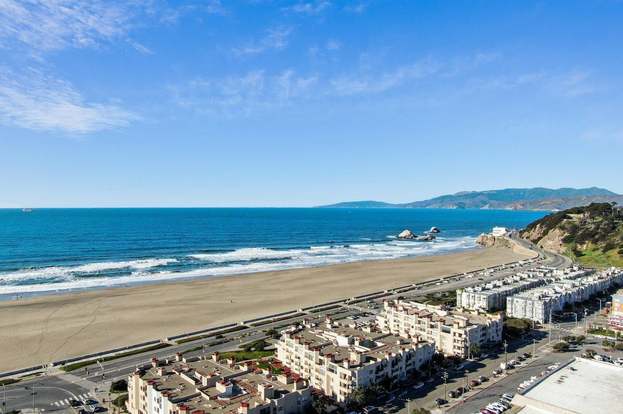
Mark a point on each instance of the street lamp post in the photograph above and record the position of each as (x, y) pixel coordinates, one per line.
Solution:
(533, 348)
(506, 354)
(4, 398)
(34, 394)
(445, 385)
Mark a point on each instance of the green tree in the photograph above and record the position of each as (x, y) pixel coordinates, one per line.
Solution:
(119, 386)
(561, 347)
(474, 349)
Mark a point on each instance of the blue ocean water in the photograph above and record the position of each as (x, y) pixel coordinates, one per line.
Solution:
(51, 250)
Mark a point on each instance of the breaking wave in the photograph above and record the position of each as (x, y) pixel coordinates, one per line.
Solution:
(241, 261)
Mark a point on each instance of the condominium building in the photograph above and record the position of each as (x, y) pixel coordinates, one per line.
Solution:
(492, 295)
(615, 318)
(337, 358)
(206, 386)
(540, 303)
(452, 332)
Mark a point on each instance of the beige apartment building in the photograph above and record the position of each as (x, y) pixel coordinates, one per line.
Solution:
(339, 358)
(452, 332)
(205, 386)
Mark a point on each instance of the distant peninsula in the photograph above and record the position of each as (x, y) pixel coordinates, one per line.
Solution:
(537, 198)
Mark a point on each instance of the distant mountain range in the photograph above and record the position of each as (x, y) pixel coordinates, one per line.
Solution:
(508, 199)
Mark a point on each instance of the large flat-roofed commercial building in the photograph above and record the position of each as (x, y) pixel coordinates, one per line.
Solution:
(582, 386)
(540, 303)
(492, 295)
(452, 332)
(205, 386)
(338, 358)
(615, 318)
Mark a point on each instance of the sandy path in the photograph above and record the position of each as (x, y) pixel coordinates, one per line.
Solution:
(48, 328)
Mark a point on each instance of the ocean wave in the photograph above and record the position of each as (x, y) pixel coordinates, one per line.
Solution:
(245, 255)
(69, 271)
(241, 261)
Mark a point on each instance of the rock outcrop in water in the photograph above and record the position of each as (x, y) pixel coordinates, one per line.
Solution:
(407, 235)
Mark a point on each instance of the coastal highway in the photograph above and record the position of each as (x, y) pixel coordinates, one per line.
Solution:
(58, 386)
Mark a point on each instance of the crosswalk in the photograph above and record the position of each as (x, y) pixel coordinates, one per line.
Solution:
(65, 402)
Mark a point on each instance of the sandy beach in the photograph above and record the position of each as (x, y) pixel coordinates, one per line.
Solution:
(48, 328)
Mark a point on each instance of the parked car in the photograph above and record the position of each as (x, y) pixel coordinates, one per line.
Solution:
(474, 383)
(482, 378)
(440, 401)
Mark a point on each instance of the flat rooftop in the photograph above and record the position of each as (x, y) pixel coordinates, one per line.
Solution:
(583, 386)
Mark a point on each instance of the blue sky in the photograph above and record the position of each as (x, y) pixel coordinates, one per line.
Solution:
(304, 102)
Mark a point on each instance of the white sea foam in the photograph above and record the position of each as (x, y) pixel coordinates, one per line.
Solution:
(246, 255)
(70, 271)
(249, 260)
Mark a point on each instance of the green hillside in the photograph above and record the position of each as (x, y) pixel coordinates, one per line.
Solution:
(592, 234)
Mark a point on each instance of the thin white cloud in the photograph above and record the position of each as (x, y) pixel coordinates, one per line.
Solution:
(310, 8)
(172, 15)
(56, 24)
(276, 38)
(47, 25)
(141, 48)
(377, 83)
(570, 84)
(244, 94)
(260, 91)
(36, 101)
(357, 7)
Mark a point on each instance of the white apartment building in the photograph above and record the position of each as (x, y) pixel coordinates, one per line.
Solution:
(492, 295)
(539, 303)
(205, 386)
(452, 332)
(338, 359)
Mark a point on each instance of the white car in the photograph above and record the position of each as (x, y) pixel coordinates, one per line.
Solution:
(495, 408)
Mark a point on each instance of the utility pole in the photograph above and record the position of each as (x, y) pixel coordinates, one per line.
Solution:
(445, 385)
(506, 354)
(4, 398)
(549, 339)
(533, 348)
(34, 394)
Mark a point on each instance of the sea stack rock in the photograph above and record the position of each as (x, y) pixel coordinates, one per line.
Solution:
(406, 234)
(434, 230)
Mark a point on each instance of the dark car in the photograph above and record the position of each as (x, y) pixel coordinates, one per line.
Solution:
(527, 354)
(91, 401)
(440, 401)
(99, 409)
(75, 403)
(482, 378)
(453, 394)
